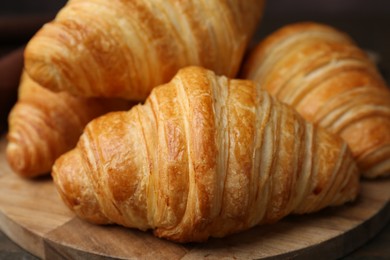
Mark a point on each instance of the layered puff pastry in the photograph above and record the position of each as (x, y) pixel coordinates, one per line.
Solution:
(43, 125)
(204, 156)
(331, 82)
(123, 49)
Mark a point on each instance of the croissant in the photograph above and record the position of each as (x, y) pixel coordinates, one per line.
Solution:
(204, 156)
(125, 48)
(43, 125)
(331, 82)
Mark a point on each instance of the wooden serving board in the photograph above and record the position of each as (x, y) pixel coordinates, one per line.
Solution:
(32, 214)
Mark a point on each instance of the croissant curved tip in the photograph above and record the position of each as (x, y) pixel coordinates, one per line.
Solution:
(42, 66)
(380, 170)
(16, 154)
(37, 69)
(25, 152)
(375, 163)
(74, 188)
(20, 156)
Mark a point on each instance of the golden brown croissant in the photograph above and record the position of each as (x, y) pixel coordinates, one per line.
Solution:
(331, 82)
(43, 125)
(204, 156)
(125, 48)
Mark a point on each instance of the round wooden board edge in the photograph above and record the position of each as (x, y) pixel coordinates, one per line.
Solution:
(333, 248)
(329, 249)
(22, 236)
(336, 247)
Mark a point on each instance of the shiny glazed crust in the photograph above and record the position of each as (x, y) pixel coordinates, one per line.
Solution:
(136, 45)
(204, 156)
(331, 82)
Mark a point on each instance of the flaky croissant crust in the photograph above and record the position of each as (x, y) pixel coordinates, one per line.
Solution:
(204, 156)
(331, 82)
(43, 125)
(125, 48)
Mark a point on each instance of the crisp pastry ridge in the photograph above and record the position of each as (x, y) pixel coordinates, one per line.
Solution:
(330, 81)
(136, 45)
(42, 125)
(204, 156)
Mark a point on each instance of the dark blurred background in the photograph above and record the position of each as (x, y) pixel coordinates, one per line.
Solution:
(19, 19)
(365, 20)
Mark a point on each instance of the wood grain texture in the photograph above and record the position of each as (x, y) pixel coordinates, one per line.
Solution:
(32, 214)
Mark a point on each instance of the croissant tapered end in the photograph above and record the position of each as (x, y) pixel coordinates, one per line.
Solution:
(32, 136)
(44, 66)
(23, 150)
(204, 156)
(43, 125)
(20, 158)
(332, 83)
(125, 48)
(74, 190)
